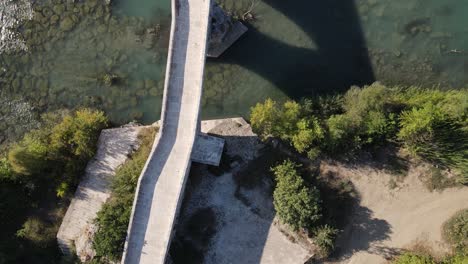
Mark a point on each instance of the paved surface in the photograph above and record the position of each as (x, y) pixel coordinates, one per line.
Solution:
(161, 185)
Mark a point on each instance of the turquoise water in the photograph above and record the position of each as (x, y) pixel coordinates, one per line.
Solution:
(292, 49)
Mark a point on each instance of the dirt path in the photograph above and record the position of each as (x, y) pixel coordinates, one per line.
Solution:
(387, 220)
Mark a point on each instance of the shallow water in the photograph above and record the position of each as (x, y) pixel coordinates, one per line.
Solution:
(291, 50)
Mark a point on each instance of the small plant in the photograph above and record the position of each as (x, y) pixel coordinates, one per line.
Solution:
(324, 238)
(110, 79)
(455, 231)
(37, 231)
(412, 258)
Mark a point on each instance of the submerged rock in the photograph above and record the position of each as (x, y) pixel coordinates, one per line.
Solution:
(67, 24)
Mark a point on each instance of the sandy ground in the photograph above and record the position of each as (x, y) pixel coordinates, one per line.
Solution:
(234, 224)
(225, 223)
(387, 220)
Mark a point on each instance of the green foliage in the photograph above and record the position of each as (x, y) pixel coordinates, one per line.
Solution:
(29, 156)
(456, 259)
(296, 204)
(324, 238)
(6, 172)
(432, 124)
(114, 217)
(77, 133)
(367, 118)
(264, 118)
(412, 258)
(307, 133)
(288, 122)
(59, 149)
(47, 161)
(113, 221)
(455, 231)
(37, 231)
(417, 125)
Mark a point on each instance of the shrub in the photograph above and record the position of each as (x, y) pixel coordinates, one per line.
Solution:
(37, 231)
(412, 258)
(431, 124)
(29, 156)
(113, 219)
(455, 231)
(457, 259)
(324, 238)
(77, 134)
(63, 147)
(6, 172)
(296, 204)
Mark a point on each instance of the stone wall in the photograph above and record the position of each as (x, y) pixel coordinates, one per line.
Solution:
(77, 229)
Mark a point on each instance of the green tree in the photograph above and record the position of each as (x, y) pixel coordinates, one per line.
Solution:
(264, 118)
(296, 204)
(307, 133)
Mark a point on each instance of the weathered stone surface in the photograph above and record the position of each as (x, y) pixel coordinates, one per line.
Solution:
(77, 228)
(12, 13)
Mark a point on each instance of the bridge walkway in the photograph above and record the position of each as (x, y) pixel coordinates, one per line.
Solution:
(161, 185)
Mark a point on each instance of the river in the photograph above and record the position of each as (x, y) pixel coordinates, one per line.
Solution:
(113, 57)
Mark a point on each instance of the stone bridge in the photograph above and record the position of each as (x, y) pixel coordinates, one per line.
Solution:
(161, 185)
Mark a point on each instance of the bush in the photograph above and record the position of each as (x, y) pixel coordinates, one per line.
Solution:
(37, 231)
(113, 219)
(29, 156)
(412, 258)
(455, 231)
(431, 124)
(6, 172)
(296, 204)
(457, 259)
(59, 150)
(78, 133)
(324, 238)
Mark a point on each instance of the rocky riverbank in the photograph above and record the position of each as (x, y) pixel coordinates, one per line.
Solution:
(12, 14)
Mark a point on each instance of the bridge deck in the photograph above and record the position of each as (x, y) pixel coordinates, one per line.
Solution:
(161, 185)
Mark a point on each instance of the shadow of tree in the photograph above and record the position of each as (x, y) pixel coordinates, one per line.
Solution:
(363, 233)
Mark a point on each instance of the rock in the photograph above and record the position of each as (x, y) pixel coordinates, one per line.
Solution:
(149, 84)
(133, 101)
(154, 91)
(59, 9)
(397, 53)
(137, 115)
(54, 19)
(141, 92)
(67, 24)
